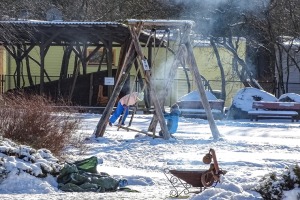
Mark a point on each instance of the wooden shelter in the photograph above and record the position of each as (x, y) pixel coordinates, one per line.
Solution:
(184, 55)
(20, 37)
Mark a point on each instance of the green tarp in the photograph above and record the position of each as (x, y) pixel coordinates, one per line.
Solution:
(82, 176)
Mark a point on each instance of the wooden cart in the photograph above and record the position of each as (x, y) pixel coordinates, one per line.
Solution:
(184, 179)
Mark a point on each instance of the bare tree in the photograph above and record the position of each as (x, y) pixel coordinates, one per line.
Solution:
(280, 19)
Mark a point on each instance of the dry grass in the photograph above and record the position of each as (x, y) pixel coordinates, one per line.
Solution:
(35, 121)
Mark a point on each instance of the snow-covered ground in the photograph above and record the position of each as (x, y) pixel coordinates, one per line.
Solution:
(247, 151)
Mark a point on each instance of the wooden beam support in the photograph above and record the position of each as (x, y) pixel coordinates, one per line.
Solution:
(162, 23)
(201, 89)
(128, 60)
(101, 126)
(153, 94)
(42, 61)
(172, 73)
(109, 57)
(91, 89)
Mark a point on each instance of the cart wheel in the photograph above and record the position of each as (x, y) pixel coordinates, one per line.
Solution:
(207, 159)
(207, 179)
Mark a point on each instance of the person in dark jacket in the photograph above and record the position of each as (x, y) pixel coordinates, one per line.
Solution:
(172, 119)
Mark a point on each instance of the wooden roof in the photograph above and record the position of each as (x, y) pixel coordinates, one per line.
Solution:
(64, 33)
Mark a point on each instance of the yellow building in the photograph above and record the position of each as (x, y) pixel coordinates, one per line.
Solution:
(162, 60)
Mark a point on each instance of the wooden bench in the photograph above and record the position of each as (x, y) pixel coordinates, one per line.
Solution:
(196, 109)
(255, 114)
(290, 110)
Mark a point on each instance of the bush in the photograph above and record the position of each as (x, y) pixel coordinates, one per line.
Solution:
(35, 121)
(273, 185)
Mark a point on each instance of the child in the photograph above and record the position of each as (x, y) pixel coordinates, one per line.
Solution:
(122, 107)
(172, 119)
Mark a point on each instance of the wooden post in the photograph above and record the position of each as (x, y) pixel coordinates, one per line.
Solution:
(109, 54)
(18, 67)
(201, 89)
(42, 57)
(153, 94)
(91, 89)
(101, 126)
(168, 84)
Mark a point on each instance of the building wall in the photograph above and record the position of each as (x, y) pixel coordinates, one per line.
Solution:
(53, 61)
(208, 67)
(291, 72)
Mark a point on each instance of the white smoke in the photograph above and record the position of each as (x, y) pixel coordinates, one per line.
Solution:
(243, 5)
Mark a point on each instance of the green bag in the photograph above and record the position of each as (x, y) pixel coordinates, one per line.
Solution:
(65, 174)
(82, 176)
(88, 165)
(90, 187)
(106, 183)
(70, 187)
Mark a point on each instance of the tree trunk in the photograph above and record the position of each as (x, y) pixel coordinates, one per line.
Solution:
(223, 92)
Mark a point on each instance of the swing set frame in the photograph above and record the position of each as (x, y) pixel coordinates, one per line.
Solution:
(133, 51)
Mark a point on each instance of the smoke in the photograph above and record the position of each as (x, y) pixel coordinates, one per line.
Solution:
(189, 2)
(218, 15)
(242, 4)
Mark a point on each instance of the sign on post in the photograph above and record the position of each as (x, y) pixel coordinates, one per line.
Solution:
(145, 64)
(109, 81)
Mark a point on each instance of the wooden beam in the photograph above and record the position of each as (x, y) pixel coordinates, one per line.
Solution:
(201, 89)
(101, 126)
(18, 67)
(91, 89)
(122, 57)
(172, 73)
(153, 93)
(128, 60)
(42, 68)
(162, 23)
(109, 57)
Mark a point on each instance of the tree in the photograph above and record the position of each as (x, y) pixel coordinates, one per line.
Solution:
(271, 27)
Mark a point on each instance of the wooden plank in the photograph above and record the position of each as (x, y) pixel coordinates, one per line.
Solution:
(272, 113)
(139, 131)
(276, 105)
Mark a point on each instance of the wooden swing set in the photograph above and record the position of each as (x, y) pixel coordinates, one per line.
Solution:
(183, 55)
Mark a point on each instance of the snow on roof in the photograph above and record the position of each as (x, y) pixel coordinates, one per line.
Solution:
(56, 22)
(293, 96)
(195, 96)
(245, 97)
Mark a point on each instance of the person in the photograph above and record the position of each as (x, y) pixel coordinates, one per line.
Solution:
(123, 104)
(172, 119)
